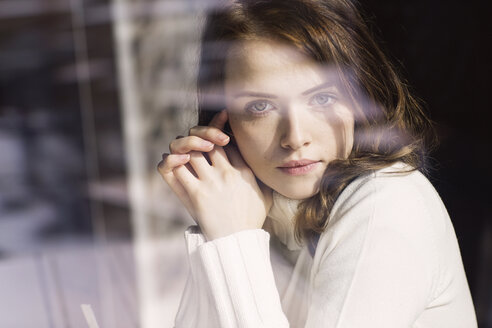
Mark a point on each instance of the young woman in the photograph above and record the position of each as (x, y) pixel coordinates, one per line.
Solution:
(304, 176)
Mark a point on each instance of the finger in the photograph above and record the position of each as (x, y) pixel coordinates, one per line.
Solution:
(180, 192)
(210, 133)
(190, 168)
(171, 161)
(218, 157)
(200, 164)
(166, 173)
(190, 143)
(186, 178)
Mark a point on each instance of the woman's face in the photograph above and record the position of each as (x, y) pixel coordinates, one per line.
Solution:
(284, 108)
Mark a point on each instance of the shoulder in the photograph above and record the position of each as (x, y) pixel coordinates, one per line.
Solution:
(382, 239)
(391, 189)
(394, 200)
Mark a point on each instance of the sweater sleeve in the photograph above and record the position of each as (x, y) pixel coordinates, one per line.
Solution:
(231, 282)
(376, 265)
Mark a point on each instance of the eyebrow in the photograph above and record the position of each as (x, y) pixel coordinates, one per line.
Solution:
(270, 96)
(254, 94)
(318, 87)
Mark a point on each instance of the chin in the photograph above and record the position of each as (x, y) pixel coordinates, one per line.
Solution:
(297, 193)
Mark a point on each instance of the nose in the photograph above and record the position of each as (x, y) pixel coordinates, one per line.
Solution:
(295, 130)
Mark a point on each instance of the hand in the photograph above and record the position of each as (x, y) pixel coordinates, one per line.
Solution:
(223, 196)
(201, 138)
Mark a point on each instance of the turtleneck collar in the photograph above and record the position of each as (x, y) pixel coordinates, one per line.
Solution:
(282, 215)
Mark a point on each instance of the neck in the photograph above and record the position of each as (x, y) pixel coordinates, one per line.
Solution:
(282, 216)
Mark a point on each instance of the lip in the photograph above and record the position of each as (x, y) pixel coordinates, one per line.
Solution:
(299, 167)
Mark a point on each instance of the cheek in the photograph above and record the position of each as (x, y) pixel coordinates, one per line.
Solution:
(245, 128)
(238, 127)
(252, 139)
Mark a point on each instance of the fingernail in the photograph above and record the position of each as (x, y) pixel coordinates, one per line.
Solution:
(183, 157)
(223, 137)
(207, 144)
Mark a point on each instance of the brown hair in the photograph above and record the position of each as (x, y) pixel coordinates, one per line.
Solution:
(390, 123)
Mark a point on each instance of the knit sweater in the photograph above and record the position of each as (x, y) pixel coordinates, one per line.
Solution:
(389, 257)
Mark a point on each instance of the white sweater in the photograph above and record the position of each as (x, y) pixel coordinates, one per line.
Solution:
(388, 258)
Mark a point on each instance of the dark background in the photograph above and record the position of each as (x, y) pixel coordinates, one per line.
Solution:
(443, 50)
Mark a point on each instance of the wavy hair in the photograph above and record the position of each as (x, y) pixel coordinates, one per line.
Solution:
(390, 123)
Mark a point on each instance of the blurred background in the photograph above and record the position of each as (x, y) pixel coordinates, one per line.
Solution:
(93, 91)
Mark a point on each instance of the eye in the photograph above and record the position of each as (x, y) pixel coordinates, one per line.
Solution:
(259, 107)
(322, 99)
